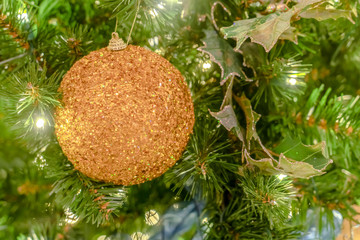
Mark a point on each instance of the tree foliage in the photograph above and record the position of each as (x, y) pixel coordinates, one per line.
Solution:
(275, 89)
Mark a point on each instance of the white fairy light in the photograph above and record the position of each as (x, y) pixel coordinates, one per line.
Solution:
(153, 12)
(292, 81)
(22, 15)
(281, 176)
(154, 41)
(40, 123)
(206, 65)
(71, 218)
(40, 161)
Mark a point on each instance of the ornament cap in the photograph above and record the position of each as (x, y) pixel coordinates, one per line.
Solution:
(116, 43)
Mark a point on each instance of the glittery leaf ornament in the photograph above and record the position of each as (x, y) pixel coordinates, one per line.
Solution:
(322, 13)
(221, 52)
(254, 56)
(251, 118)
(227, 116)
(126, 117)
(293, 149)
(294, 158)
(265, 30)
(290, 34)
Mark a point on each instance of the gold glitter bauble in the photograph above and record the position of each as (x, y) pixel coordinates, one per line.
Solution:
(126, 117)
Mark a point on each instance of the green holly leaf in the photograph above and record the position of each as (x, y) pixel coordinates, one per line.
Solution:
(297, 169)
(321, 13)
(285, 166)
(315, 155)
(221, 52)
(251, 117)
(305, 4)
(254, 56)
(295, 159)
(265, 30)
(265, 165)
(228, 119)
(290, 34)
(228, 95)
(227, 116)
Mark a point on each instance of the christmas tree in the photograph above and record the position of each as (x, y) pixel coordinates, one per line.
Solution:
(168, 119)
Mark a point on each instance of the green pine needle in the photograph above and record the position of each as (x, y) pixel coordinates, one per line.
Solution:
(207, 167)
(31, 97)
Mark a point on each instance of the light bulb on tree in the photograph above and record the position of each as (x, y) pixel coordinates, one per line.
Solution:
(206, 65)
(40, 123)
(281, 176)
(161, 5)
(153, 13)
(292, 81)
(22, 15)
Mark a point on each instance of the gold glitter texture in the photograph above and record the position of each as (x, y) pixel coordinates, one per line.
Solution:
(126, 116)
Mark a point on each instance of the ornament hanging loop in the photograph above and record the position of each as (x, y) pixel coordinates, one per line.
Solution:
(116, 43)
(132, 26)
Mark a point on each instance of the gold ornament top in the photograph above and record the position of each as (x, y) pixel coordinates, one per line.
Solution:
(126, 117)
(116, 43)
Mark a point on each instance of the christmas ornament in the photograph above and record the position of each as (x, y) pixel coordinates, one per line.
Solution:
(270, 8)
(282, 7)
(151, 217)
(126, 115)
(350, 228)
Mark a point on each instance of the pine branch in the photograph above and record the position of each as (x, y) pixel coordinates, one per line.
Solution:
(207, 167)
(30, 100)
(151, 14)
(268, 197)
(66, 48)
(22, 184)
(279, 80)
(14, 33)
(11, 30)
(329, 119)
(88, 200)
(236, 219)
(324, 117)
